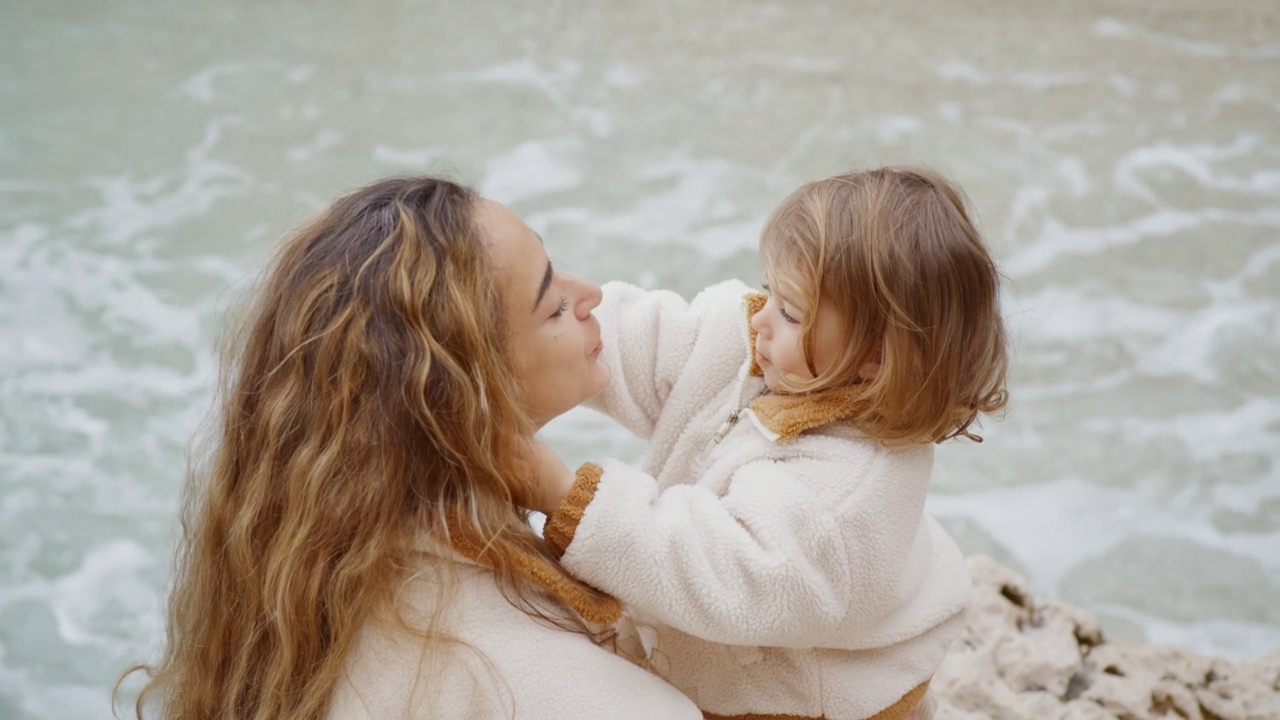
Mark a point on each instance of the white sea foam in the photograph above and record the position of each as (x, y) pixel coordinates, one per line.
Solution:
(1122, 84)
(1235, 93)
(1041, 81)
(1229, 638)
(323, 140)
(1071, 315)
(531, 169)
(794, 63)
(37, 699)
(1191, 349)
(692, 210)
(625, 76)
(108, 574)
(1074, 175)
(1114, 29)
(129, 208)
(417, 158)
(1207, 436)
(202, 86)
(1055, 239)
(22, 186)
(961, 71)
(555, 81)
(525, 71)
(1261, 261)
(896, 127)
(1050, 527)
(1196, 162)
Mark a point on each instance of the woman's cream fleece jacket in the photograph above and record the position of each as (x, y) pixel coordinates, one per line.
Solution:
(784, 557)
(503, 663)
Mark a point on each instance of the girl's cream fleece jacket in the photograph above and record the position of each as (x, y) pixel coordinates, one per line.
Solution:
(784, 558)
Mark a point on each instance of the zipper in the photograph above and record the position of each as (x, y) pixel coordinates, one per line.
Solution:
(743, 402)
(726, 426)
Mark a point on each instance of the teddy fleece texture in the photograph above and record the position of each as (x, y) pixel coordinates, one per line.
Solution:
(784, 558)
(506, 664)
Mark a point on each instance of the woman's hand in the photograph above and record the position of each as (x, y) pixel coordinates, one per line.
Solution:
(553, 478)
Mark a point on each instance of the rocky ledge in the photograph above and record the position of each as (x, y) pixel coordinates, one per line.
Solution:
(1020, 659)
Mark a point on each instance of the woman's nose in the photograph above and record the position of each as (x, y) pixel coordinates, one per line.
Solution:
(589, 297)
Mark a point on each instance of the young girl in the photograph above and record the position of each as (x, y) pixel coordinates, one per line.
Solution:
(777, 539)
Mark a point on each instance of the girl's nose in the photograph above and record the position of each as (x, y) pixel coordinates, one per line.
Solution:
(758, 321)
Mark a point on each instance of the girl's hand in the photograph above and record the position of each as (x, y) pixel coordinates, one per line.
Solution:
(553, 478)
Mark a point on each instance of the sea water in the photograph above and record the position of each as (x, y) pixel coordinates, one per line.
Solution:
(1124, 163)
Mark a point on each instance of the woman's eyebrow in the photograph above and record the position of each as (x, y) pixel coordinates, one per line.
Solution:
(542, 289)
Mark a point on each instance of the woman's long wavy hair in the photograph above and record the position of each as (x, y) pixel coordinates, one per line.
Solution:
(367, 402)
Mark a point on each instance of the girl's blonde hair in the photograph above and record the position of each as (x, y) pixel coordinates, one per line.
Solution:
(367, 404)
(894, 253)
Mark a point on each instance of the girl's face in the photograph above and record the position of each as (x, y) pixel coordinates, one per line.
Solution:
(555, 340)
(780, 342)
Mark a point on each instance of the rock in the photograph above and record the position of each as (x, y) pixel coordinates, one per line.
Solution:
(1020, 659)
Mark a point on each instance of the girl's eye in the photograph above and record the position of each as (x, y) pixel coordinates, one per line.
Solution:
(564, 306)
(787, 317)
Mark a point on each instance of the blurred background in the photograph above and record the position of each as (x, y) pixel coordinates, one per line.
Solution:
(1124, 162)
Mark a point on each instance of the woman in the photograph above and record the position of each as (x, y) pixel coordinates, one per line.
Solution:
(356, 548)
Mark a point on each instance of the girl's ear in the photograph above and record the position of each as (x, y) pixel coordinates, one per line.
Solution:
(869, 371)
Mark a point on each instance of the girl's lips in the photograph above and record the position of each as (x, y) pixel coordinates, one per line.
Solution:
(761, 360)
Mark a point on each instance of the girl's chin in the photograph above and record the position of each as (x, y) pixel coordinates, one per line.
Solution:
(599, 377)
(771, 382)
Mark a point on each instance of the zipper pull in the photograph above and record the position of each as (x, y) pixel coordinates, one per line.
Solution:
(725, 427)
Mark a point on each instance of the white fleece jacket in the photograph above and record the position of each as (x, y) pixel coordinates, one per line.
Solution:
(507, 666)
(789, 566)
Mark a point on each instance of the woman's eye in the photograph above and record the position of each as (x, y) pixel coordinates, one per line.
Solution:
(564, 306)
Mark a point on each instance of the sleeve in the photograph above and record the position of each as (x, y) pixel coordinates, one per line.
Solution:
(558, 674)
(650, 337)
(766, 564)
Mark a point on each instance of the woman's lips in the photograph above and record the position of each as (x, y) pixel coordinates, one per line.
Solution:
(598, 348)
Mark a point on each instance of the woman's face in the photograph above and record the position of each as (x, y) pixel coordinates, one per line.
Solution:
(555, 340)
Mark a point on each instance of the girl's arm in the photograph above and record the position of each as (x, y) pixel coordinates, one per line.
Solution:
(649, 336)
(777, 560)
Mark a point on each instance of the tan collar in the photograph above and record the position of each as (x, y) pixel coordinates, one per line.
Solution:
(593, 605)
(755, 303)
(788, 416)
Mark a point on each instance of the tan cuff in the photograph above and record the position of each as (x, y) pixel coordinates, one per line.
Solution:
(563, 523)
(906, 705)
(900, 710)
